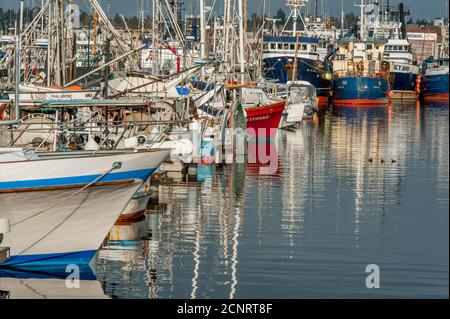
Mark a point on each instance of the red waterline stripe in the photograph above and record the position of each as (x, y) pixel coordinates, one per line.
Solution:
(436, 97)
(360, 102)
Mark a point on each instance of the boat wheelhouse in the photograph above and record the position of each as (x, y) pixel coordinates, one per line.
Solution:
(294, 55)
(404, 72)
(280, 54)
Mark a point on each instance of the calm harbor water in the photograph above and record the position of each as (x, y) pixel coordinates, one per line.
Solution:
(310, 229)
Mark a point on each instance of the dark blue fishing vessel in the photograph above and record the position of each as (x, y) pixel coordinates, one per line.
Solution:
(434, 85)
(391, 25)
(404, 73)
(297, 56)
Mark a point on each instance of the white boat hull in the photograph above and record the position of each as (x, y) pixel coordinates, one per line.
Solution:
(61, 209)
(69, 233)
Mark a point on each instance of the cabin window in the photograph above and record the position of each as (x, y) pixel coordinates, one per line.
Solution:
(286, 46)
(292, 47)
(314, 48)
(266, 46)
(395, 48)
(280, 46)
(377, 47)
(369, 47)
(304, 47)
(273, 46)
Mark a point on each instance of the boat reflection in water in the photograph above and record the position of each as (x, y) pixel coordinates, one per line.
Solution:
(20, 284)
(354, 187)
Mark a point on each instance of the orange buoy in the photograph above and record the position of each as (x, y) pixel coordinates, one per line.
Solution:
(418, 81)
(391, 94)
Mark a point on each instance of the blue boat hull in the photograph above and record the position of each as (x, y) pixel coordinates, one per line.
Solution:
(403, 81)
(307, 70)
(360, 91)
(60, 259)
(435, 87)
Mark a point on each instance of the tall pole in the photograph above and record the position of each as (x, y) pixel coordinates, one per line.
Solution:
(316, 9)
(294, 18)
(50, 47)
(42, 20)
(245, 17)
(241, 41)
(202, 30)
(21, 17)
(362, 31)
(342, 17)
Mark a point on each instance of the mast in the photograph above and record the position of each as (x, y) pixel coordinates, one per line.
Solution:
(94, 47)
(21, 17)
(362, 20)
(202, 30)
(342, 17)
(295, 18)
(316, 9)
(295, 6)
(241, 41)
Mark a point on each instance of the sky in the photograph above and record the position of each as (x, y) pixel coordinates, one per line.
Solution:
(419, 8)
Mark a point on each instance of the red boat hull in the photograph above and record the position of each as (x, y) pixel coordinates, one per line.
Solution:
(264, 120)
(2, 111)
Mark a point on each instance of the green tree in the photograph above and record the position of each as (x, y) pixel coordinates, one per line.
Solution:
(280, 15)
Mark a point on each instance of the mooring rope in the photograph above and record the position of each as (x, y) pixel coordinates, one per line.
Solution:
(115, 166)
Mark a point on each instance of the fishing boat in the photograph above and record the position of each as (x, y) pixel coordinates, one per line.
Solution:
(434, 85)
(263, 113)
(360, 75)
(34, 95)
(62, 205)
(264, 120)
(289, 50)
(389, 23)
(302, 102)
(404, 74)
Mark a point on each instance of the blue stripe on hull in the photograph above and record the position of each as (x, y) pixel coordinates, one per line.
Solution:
(76, 180)
(434, 84)
(364, 88)
(307, 70)
(403, 81)
(50, 260)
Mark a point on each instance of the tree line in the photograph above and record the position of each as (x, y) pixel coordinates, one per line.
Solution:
(9, 17)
